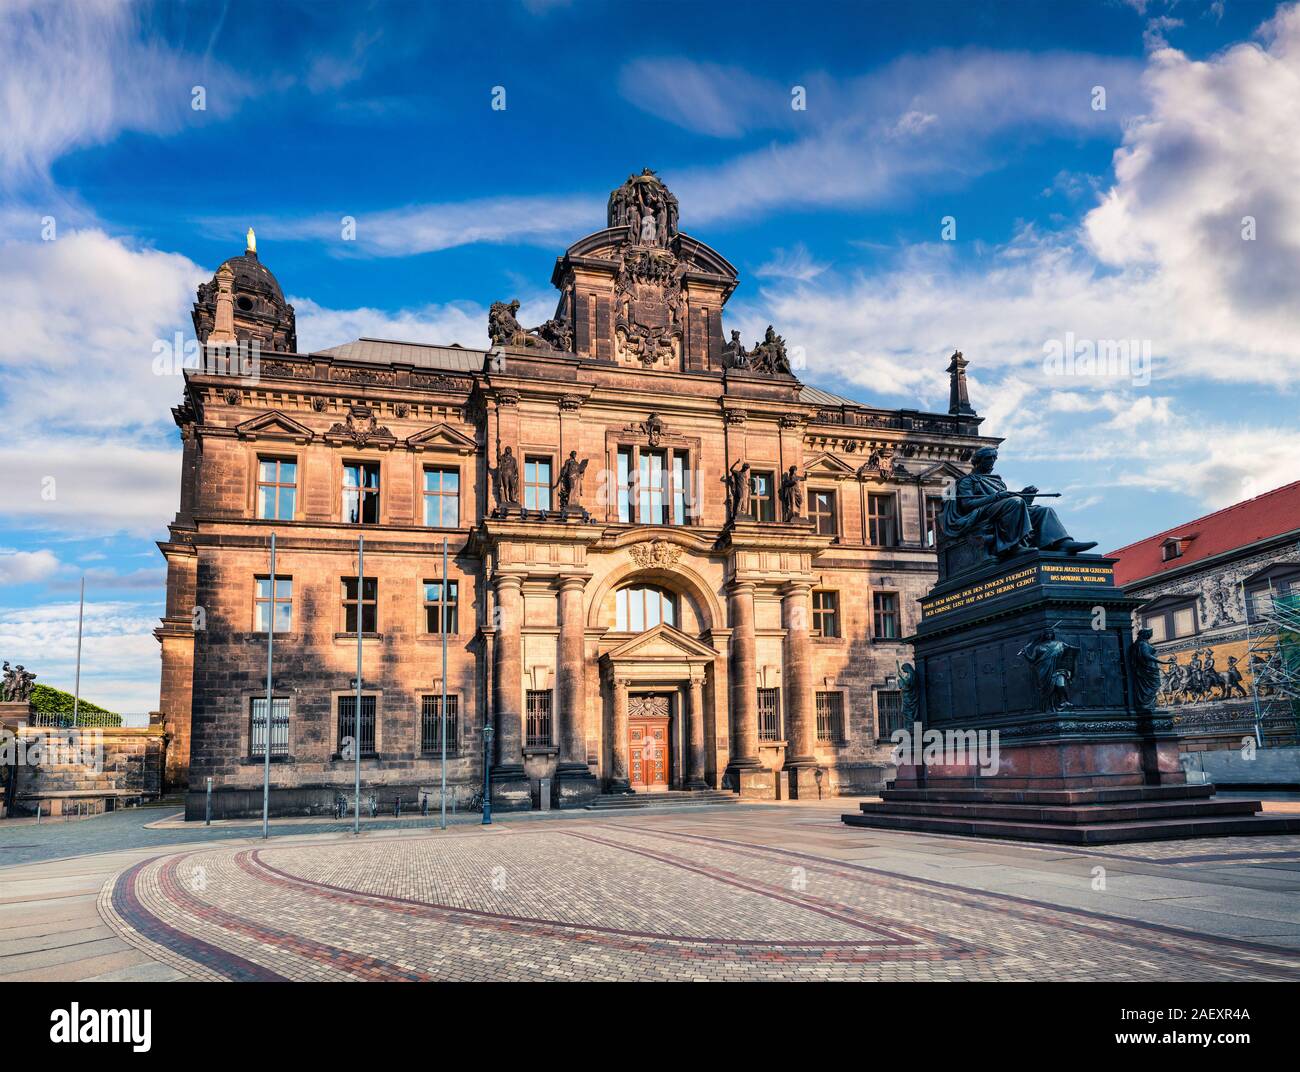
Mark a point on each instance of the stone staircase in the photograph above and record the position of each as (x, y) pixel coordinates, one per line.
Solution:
(661, 801)
(1071, 816)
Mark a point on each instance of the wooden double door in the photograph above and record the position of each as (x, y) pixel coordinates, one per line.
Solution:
(649, 741)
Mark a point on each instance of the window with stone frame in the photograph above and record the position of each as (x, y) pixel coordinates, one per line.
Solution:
(830, 717)
(653, 485)
(537, 482)
(441, 611)
(821, 509)
(281, 599)
(369, 604)
(933, 508)
(640, 607)
(538, 725)
(889, 713)
(277, 488)
(361, 493)
(347, 724)
(884, 616)
(279, 727)
(762, 495)
(431, 727)
(1171, 621)
(441, 497)
(825, 613)
(882, 520)
(769, 714)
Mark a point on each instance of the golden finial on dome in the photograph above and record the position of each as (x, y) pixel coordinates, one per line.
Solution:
(252, 241)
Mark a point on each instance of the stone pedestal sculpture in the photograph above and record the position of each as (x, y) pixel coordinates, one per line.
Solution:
(1035, 713)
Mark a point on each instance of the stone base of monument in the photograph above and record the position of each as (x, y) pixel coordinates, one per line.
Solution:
(1029, 725)
(1058, 794)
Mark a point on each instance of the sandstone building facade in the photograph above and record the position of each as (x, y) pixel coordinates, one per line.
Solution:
(672, 565)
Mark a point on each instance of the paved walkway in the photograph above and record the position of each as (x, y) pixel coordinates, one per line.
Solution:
(767, 892)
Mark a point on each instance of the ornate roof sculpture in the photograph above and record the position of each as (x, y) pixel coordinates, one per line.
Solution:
(643, 294)
(243, 303)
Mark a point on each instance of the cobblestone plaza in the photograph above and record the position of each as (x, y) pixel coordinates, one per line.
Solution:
(761, 892)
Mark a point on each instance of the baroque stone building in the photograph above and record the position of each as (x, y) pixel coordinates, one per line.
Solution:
(1223, 604)
(673, 566)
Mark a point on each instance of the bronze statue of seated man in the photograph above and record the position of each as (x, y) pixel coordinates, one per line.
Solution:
(1008, 520)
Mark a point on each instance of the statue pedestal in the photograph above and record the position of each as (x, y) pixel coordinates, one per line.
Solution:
(1001, 751)
(15, 714)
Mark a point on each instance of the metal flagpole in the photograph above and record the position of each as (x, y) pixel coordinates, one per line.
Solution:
(76, 689)
(266, 737)
(445, 610)
(356, 721)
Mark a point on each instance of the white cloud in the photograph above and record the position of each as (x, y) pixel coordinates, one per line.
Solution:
(1160, 260)
(921, 120)
(708, 98)
(23, 567)
(74, 75)
(78, 391)
(119, 655)
(796, 263)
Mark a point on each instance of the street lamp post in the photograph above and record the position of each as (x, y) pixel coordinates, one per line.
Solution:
(266, 734)
(356, 719)
(487, 775)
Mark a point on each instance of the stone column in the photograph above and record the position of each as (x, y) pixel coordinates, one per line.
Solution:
(744, 682)
(576, 782)
(801, 733)
(618, 780)
(509, 676)
(695, 744)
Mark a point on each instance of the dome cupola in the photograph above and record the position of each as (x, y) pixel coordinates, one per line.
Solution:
(244, 303)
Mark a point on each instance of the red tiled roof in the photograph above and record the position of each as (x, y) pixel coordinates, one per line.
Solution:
(1271, 514)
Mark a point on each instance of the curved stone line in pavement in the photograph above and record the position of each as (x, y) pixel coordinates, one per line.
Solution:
(217, 931)
(1289, 966)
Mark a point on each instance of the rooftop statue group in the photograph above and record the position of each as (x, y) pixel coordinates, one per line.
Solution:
(504, 329)
(768, 356)
(18, 684)
(646, 208)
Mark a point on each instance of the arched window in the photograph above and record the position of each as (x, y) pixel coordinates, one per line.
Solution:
(643, 606)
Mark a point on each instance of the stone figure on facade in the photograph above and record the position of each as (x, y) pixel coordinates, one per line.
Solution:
(18, 684)
(734, 354)
(644, 197)
(558, 333)
(1054, 662)
(769, 355)
(791, 494)
(880, 462)
(505, 479)
(909, 692)
(1144, 666)
(1008, 521)
(570, 482)
(504, 329)
(738, 489)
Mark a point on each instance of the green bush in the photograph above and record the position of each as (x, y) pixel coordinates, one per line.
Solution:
(56, 705)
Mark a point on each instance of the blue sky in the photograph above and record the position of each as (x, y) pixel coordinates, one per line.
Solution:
(1071, 222)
